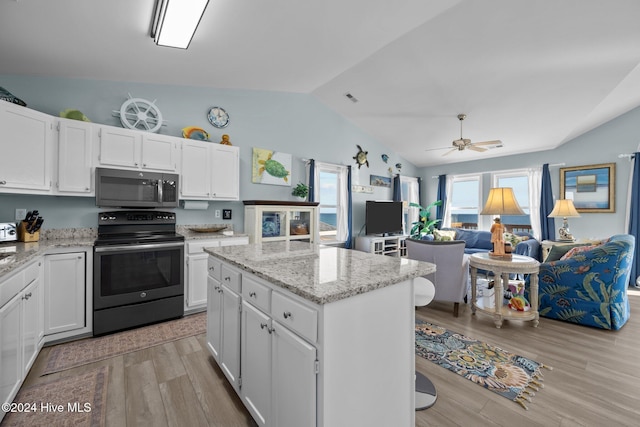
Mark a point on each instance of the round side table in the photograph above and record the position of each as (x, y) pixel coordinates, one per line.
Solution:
(501, 269)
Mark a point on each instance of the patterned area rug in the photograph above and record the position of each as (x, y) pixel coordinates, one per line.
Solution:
(514, 377)
(78, 353)
(78, 400)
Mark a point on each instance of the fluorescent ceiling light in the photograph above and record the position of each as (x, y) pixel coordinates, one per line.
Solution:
(175, 21)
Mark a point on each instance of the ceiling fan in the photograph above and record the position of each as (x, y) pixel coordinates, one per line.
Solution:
(464, 143)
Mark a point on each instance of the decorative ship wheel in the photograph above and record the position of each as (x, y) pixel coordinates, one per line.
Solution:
(140, 114)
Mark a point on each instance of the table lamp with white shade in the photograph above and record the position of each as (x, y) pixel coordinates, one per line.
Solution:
(501, 201)
(564, 209)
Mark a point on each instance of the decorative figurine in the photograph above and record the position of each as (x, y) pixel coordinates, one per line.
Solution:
(225, 140)
(361, 157)
(398, 166)
(385, 158)
(497, 238)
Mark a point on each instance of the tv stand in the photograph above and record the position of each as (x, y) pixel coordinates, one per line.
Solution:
(383, 245)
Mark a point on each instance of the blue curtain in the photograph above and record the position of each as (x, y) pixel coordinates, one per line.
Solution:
(397, 191)
(546, 206)
(419, 191)
(312, 180)
(634, 217)
(347, 243)
(442, 195)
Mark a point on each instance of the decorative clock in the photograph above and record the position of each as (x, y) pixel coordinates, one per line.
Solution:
(218, 117)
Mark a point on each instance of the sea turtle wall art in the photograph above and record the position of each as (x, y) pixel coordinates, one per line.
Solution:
(271, 167)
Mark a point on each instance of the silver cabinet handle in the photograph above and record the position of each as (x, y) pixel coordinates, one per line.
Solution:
(263, 325)
(252, 294)
(3, 182)
(212, 268)
(286, 314)
(228, 278)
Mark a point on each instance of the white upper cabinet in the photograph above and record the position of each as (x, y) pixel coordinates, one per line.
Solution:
(75, 148)
(26, 140)
(125, 148)
(209, 171)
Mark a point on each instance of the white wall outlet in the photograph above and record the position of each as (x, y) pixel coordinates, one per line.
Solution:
(217, 213)
(20, 214)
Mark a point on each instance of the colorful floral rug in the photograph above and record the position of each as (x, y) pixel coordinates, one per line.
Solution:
(78, 400)
(515, 377)
(78, 353)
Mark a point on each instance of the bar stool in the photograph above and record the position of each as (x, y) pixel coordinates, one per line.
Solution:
(425, 393)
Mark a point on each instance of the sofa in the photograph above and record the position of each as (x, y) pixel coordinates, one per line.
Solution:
(589, 286)
(480, 241)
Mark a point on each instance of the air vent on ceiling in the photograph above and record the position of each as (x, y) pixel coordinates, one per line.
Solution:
(351, 97)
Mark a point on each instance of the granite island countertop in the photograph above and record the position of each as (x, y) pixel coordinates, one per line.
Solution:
(320, 274)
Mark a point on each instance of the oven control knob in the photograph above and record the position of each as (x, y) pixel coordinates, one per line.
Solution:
(143, 294)
(112, 217)
(103, 217)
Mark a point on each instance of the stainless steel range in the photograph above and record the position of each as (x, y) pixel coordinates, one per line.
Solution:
(138, 270)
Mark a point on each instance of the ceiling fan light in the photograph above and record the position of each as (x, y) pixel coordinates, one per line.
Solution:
(175, 22)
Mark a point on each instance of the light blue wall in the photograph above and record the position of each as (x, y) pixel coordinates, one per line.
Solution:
(601, 145)
(286, 122)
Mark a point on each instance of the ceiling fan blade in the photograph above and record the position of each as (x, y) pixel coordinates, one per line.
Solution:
(438, 148)
(494, 142)
(450, 151)
(474, 148)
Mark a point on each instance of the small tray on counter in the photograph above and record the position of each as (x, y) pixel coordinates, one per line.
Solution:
(208, 230)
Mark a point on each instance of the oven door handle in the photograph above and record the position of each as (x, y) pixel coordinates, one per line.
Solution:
(138, 247)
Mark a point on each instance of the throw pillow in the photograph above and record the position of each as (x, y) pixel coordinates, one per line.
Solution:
(514, 239)
(557, 251)
(577, 250)
(444, 234)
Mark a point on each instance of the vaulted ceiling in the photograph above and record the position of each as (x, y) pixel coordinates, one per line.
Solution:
(533, 74)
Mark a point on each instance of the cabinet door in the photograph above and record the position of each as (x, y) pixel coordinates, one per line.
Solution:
(32, 324)
(25, 139)
(225, 172)
(10, 356)
(119, 147)
(293, 387)
(214, 317)
(197, 280)
(256, 363)
(230, 347)
(64, 292)
(195, 175)
(75, 146)
(159, 152)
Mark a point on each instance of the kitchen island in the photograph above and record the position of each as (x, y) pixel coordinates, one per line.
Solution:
(315, 335)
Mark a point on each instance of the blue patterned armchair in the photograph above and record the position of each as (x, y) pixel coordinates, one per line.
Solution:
(589, 288)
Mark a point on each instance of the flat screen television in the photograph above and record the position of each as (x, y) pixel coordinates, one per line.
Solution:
(383, 217)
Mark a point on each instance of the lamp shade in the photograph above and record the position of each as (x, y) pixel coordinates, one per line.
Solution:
(502, 201)
(564, 208)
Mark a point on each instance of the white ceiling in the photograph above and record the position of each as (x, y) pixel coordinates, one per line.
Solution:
(533, 74)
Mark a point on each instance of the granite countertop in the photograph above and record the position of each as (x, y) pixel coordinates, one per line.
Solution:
(320, 274)
(22, 253)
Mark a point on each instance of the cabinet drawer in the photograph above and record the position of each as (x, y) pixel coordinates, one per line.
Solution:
(199, 245)
(231, 279)
(214, 267)
(294, 315)
(11, 287)
(32, 272)
(256, 293)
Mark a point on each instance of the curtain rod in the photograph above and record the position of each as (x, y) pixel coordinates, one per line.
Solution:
(628, 156)
(505, 170)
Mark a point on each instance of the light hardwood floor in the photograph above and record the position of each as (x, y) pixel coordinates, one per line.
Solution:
(594, 381)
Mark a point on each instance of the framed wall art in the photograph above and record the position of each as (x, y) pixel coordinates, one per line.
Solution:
(270, 167)
(380, 181)
(591, 187)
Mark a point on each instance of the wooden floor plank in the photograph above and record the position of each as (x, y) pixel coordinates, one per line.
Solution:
(144, 404)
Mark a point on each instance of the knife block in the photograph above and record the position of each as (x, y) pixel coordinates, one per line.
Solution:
(24, 236)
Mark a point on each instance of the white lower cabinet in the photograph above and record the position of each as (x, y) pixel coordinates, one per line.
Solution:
(223, 322)
(64, 292)
(276, 364)
(196, 269)
(21, 328)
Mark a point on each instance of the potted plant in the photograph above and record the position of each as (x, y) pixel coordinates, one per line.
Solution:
(424, 225)
(301, 191)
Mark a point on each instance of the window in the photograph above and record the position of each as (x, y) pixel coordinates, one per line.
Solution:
(463, 204)
(519, 181)
(410, 193)
(331, 193)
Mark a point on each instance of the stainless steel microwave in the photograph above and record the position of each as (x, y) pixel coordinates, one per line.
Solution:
(136, 189)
